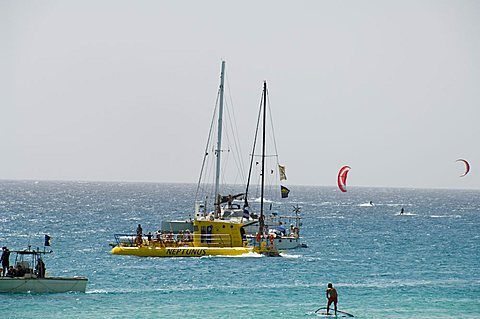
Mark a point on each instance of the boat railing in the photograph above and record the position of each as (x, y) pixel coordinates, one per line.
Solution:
(215, 240)
(170, 239)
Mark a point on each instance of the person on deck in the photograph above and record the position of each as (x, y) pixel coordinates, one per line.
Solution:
(138, 239)
(11, 272)
(5, 259)
(139, 230)
(332, 297)
(40, 269)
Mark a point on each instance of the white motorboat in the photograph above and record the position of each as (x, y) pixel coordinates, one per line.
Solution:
(28, 275)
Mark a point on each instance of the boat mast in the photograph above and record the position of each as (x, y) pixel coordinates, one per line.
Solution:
(261, 220)
(219, 143)
(245, 205)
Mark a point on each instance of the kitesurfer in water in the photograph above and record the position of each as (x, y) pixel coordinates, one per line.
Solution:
(332, 297)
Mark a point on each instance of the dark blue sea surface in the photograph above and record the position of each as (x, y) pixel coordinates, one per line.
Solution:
(423, 264)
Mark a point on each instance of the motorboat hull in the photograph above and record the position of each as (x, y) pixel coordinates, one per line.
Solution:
(43, 285)
(287, 243)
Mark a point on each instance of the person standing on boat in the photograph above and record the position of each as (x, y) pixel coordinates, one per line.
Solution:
(5, 260)
(332, 297)
(40, 269)
(139, 234)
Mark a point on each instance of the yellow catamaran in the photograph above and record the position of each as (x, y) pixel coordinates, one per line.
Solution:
(209, 238)
(211, 235)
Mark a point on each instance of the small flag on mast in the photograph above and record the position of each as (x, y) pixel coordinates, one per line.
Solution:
(284, 191)
(246, 213)
(47, 240)
(281, 169)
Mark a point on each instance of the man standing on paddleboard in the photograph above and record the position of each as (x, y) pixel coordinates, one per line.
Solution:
(332, 297)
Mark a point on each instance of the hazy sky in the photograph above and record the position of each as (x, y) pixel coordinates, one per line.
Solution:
(124, 90)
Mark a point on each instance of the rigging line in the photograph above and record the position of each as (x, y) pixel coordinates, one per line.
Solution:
(208, 142)
(225, 161)
(223, 177)
(264, 156)
(231, 178)
(253, 153)
(236, 136)
(232, 138)
(273, 129)
(264, 118)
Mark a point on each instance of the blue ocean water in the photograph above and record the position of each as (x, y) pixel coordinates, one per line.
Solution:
(424, 264)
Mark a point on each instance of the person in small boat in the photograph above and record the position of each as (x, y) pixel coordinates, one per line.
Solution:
(20, 271)
(40, 268)
(332, 297)
(5, 259)
(11, 272)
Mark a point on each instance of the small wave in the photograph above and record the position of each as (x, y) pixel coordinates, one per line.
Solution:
(331, 217)
(97, 291)
(289, 256)
(112, 291)
(258, 199)
(246, 255)
(323, 204)
(366, 205)
(381, 284)
(396, 205)
(445, 216)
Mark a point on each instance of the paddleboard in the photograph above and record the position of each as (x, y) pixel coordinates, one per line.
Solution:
(331, 315)
(340, 314)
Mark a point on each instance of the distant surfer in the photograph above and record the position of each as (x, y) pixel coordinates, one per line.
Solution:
(401, 211)
(371, 203)
(332, 297)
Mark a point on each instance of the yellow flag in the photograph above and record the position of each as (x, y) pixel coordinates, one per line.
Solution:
(284, 191)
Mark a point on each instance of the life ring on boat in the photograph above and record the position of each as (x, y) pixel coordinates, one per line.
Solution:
(258, 237)
(270, 237)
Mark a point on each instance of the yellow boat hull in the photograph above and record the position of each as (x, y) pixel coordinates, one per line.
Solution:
(146, 251)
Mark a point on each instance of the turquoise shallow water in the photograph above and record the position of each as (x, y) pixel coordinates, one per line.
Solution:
(424, 264)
